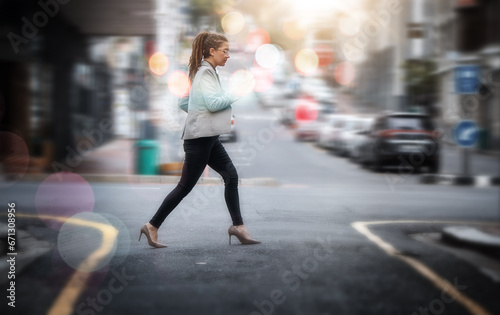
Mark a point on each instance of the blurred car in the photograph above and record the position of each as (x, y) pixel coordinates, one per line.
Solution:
(350, 124)
(274, 97)
(294, 108)
(358, 137)
(402, 139)
(329, 132)
(306, 130)
(318, 89)
(233, 135)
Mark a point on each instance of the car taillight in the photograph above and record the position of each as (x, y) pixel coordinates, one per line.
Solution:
(232, 121)
(386, 134)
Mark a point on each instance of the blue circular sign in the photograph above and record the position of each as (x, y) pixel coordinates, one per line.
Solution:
(466, 133)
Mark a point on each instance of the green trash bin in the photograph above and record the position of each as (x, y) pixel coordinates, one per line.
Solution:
(483, 139)
(146, 157)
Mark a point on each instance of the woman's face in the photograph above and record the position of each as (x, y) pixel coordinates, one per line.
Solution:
(221, 54)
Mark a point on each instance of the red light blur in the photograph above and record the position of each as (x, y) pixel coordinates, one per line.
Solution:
(307, 109)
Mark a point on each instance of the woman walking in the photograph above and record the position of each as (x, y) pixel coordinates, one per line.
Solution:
(209, 115)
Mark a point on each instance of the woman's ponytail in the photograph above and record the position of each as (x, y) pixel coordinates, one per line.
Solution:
(201, 48)
(196, 54)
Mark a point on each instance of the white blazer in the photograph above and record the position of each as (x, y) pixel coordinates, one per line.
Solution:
(207, 105)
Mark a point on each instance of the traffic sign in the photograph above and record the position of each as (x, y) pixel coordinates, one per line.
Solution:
(466, 79)
(466, 133)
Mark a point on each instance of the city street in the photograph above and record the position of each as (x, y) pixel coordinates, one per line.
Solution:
(336, 239)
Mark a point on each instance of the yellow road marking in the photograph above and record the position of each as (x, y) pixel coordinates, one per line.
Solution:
(439, 282)
(64, 304)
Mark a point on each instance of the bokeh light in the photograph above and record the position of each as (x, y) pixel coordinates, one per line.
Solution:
(307, 108)
(76, 243)
(306, 61)
(257, 38)
(223, 6)
(241, 82)
(233, 22)
(268, 56)
(349, 25)
(325, 54)
(159, 63)
(263, 79)
(344, 73)
(14, 158)
(63, 195)
(179, 84)
(294, 29)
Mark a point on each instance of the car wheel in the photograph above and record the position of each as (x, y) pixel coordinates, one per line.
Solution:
(434, 167)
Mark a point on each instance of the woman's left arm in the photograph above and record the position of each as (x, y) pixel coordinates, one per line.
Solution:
(215, 99)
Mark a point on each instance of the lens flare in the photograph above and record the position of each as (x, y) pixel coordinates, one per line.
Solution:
(14, 158)
(241, 82)
(63, 195)
(257, 38)
(307, 109)
(158, 63)
(263, 79)
(344, 73)
(223, 6)
(268, 56)
(294, 29)
(179, 84)
(306, 61)
(76, 243)
(233, 22)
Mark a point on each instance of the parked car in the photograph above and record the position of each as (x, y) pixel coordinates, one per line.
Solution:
(350, 124)
(305, 105)
(329, 132)
(358, 138)
(306, 130)
(402, 139)
(233, 135)
(274, 97)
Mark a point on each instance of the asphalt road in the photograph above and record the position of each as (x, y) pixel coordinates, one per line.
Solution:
(315, 257)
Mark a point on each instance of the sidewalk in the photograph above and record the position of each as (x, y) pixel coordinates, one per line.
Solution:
(115, 157)
(480, 172)
(486, 239)
(114, 162)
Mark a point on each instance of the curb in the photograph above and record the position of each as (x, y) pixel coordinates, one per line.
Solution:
(473, 238)
(460, 180)
(156, 179)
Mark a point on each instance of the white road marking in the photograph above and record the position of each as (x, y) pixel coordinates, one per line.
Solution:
(441, 283)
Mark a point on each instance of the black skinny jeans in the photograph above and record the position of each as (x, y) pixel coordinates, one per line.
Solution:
(199, 153)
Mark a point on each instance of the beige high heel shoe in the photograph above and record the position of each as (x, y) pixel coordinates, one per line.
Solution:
(145, 231)
(243, 239)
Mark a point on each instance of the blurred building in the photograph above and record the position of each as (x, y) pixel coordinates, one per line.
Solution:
(75, 73)
(406, 59)
(466, 33)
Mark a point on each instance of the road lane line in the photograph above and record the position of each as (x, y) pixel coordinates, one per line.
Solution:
(65, 302)
(441, 283)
